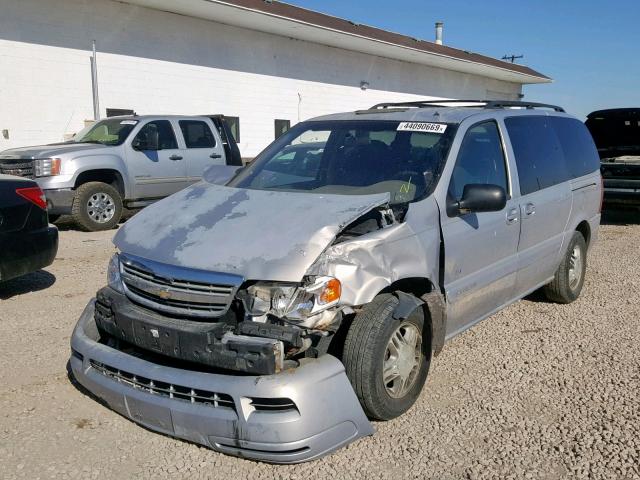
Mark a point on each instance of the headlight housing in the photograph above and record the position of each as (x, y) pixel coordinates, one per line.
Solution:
(295, 303)
(113, 274)
(47, 167)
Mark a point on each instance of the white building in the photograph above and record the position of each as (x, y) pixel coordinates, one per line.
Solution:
(257, 60)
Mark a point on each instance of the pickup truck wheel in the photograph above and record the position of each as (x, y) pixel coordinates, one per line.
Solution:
(96, 206)
(385, 358)
(569, 278)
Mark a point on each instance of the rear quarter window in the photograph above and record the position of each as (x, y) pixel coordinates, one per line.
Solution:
(580, 153)
(539, 153)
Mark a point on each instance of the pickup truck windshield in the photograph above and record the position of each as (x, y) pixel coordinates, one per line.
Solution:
(353, 158)
(111, 131)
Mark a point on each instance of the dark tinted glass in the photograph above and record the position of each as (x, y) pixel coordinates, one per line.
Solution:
(539, 154)
(197, 134)
(579, 150)
(281, 127)
(166, 137)
(480, 160)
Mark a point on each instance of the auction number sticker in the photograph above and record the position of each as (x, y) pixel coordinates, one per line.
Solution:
(129, 122)
(422, 127)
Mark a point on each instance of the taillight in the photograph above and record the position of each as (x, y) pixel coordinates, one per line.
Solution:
(601, 193)
(35, 195)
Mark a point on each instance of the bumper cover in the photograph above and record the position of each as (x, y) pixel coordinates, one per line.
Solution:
(291, 417)
(26, 252)
(59, 201)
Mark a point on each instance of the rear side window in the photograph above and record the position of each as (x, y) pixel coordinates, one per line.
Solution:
(580, 153)
(539, 154)
(197, 134)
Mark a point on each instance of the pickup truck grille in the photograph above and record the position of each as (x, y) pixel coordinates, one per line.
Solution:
(175, 291)
(24, 169)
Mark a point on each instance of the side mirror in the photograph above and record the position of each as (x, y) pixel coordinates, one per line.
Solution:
(481, 198)
(138, 144)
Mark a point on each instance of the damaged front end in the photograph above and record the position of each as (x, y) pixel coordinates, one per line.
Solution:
(291, 417)
(235, 364)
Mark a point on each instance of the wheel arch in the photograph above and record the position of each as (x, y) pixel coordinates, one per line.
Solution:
(105, 175)
(585, 229)
(421, 292)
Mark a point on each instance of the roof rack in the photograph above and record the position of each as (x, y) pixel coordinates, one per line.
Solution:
(482, 104)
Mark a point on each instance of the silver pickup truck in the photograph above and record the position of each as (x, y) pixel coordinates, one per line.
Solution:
(128, 161)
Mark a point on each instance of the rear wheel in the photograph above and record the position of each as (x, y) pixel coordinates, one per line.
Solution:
(96, 206)
(385, 358)
(569, 278)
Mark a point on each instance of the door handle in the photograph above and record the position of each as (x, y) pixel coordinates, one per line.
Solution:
(512, 216)
(215, 155)
(175, 157)
(529, 209)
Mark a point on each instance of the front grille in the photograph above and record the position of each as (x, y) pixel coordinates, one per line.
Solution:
(18, 169)
(187, 394)
(171, 289)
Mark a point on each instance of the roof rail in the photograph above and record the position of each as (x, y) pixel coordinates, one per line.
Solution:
(481, 104)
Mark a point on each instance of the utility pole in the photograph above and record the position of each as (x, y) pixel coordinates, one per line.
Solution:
(513, 58)
(94, 84)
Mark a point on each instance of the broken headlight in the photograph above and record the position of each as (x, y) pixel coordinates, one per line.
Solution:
(290, 301)
(113, 274)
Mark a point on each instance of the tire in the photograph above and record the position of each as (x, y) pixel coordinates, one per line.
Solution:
(107, 207)
(366, 351)
(569, 278)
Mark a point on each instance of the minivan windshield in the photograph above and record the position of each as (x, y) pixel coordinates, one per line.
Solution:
(111, 131)
(353, 158)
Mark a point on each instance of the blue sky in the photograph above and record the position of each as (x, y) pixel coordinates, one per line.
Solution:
(590, 48)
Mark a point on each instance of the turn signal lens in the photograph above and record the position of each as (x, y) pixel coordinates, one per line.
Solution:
(331, 292)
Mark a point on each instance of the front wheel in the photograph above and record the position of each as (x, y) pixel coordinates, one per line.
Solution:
(569, 278)
(96, 206)
(386, 360)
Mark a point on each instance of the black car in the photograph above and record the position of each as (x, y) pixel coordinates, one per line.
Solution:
(616, 133)
(27, 241)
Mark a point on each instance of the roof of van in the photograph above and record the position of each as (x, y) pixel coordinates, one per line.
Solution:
(437, 114)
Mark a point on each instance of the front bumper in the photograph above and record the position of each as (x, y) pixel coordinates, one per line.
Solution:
(291, 417)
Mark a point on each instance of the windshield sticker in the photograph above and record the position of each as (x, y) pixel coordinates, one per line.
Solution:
(128, 122)
(422, 127)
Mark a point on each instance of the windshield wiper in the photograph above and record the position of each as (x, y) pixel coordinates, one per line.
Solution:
(90, 141)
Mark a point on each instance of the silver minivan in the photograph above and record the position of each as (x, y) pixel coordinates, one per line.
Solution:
(270, 316)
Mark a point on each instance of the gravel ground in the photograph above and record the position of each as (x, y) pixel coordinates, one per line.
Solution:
(537, 391)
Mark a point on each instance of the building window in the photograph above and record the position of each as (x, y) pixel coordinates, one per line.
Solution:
(234, 126)
(282, 126)
(118, 112)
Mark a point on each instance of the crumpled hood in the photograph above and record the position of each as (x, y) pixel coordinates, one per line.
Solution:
(46, 151)
(258, 234)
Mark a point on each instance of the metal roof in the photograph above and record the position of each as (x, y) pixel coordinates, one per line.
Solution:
(295, 22)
